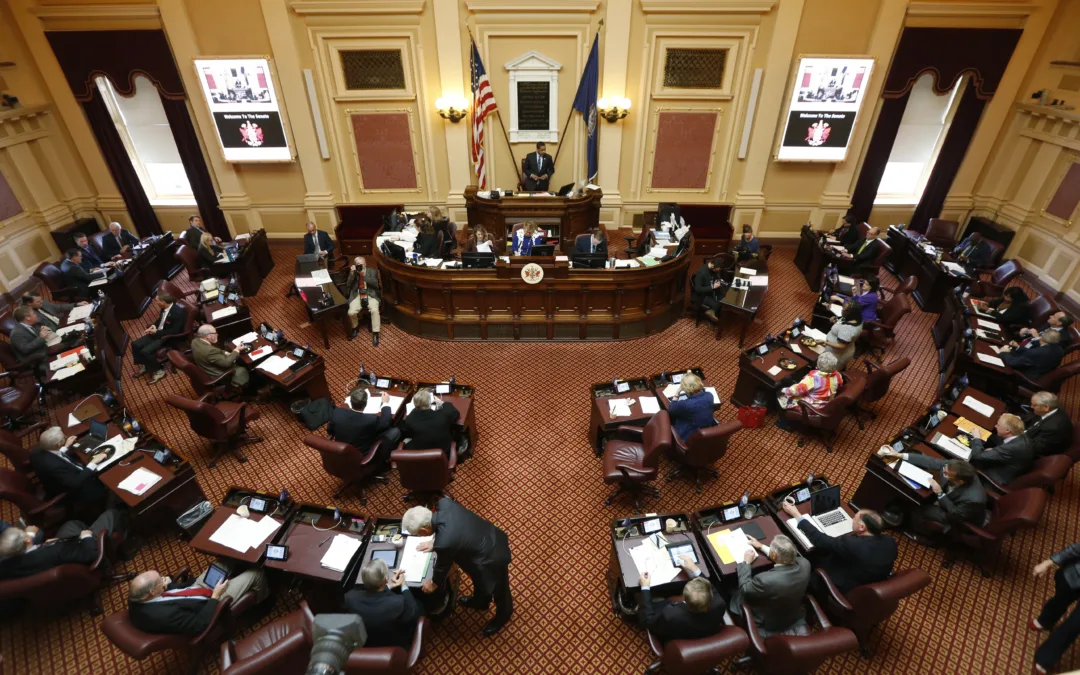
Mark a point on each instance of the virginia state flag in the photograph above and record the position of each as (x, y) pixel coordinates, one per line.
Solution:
(585, 103)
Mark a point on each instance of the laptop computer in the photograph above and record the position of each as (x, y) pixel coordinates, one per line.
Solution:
(98, 434)
(826, 511)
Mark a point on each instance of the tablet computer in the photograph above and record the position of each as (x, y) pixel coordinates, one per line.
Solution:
(215, 575)
(388, 556)
(679, 550)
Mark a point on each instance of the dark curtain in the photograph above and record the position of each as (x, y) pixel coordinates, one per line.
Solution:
(191, 154)
(949, 159)
(877, 156)
(123, 173)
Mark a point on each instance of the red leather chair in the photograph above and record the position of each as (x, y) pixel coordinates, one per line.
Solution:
(181, 340)
(1051, 382)
(17, 399)
(219, 387)
(1045, 473)
(1040, 310)
(189, 258)
(281, 647)
(999, 279)
(11, 446)
(907, 287)
(173, 289)
(698, 657)
(863, 608)
(876, 385)
(797, 654)
(877, 335)
(701, 450)
(424, 472)
(639, 245)
(388, 660)
(825, 420)
(996, 252)
(344, 461)
(223, 423)
(35, 507)
(632, 457)
(53, 279)
(15, 366)
(1011, 512)
(97, 242)
(1073, 453)
(942, 233)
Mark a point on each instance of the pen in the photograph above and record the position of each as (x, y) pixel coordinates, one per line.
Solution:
(324, 541)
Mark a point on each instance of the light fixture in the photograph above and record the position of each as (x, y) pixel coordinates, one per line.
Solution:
(613, 109)
(453, 108)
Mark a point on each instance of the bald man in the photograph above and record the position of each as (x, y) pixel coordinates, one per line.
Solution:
(158, 604)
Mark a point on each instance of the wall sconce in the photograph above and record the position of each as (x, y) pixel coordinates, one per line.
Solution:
(613, 109)
(453, 108)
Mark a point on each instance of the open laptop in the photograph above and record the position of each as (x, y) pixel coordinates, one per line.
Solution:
(98, 434)
(826, 511)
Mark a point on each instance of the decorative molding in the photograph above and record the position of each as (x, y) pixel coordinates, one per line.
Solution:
(147, 11)
(332, 7)
(707, 6)
(532, 66)
(550, 6)
(990, 9)
(1067, 116)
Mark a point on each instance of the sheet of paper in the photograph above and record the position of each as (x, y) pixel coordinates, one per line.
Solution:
(321, 276)
(814, 333)
(276, 365)
(620, 264)
(972, 429)
(79, 313)
(657, 252)
(409, 407)
(562, 258)
(736, 544)
(262, 530)
(649, 405)
(952, 447)
(672, 390)
(209, 284)
(845, 280)
(63, 362)
(997, 350)
(374, 404)
(72, 421)
(413, 563)
(139, 481)
(222, 313)
(989, 324)
(793, 527)
(978, 406)
(261, 352)
(836, 309)
(761, 280)
(71, 328)
(983, 334)
(747, 270)
(648, 558)
(99, 282)
(992, 360)
(341, 551)
(715, 396)
(775, 370)
(65, 373)
(619, 407)
(796, 348)
(432, 262)
(955, 269)
(909, 470)
(124, 447)
(306, 282)
(246, 338)
(54, 340)
(233, 533)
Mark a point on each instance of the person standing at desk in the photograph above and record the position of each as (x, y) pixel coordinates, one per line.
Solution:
(363, 290)
(703, 287)
(1035, 362)
(776, 595)
(1051, 432)
(538, 169)
(596, 243)
(386, 605)
(848, 232)
(193, 235)
(427, 242)
(692, 407)
(317, 242)
(699, 615)
(748, 246)
(1066, 566)
(1007, 454)
(59, 474)
(866, 557)
(527, 237)
(430, 424)
(361, 430)
(959, 494)
(476, 546)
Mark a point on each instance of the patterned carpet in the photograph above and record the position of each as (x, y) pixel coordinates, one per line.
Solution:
(534, 474)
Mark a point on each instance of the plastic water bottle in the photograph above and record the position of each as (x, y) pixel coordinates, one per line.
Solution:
(371, 378)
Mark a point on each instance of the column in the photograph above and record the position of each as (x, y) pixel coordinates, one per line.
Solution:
(452, 80)
(616, 45)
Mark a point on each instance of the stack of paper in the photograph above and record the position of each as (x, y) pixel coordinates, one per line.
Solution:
(978, 406)
(432, 262)
(321, 276)
(620, 264)
(654, 560)
(761, 280)
(992, 360)
(657, 252)
(715, 396)
(649, 405)
(99, 282)
(793, 527)
(64, 361)
(341, 551)
(730, 545)
(305, 282)
(54, 340)
(65, 373)
(261, 352)
(241, 534)
(815, 334)
(413, 563)
(912, 472)
(749, 271)
(972, 429)
(952, 447)
(71, 329)
(79, 313)
(983, 334)
(836, 309)
(222, 313)
(954, 268)
(276, 365)
(619, 407)
(139, 481)
(845, 280)
(672, 390)
(246, 338)
(209, 284)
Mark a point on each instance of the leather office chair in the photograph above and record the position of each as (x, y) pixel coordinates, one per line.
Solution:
(7, 324)
(996, 252)
(874, 266)
(825, 420)
(701, 450)
(16, 367)
(97, 242)
(189, 258)
(173, 289)
(632, 457)
(1040, 309)
(223, 423)
(876, 385)
(11, 446)
(219, 387)
(639, 245)
(877, 335)
(1011, 512)
(942, 233)
(61, 586)
(346, 462)
(580, 238)
(53, 279)
(281, 647)
(907, 287)
(1073, 453)
(183, 338)
(1052, 381)
(34, 506)
(864, 607)
(388, 660)
(698, 657)
(1045, 473)
(999, 279)
(17, 399)
(424, 473)
(797, 654)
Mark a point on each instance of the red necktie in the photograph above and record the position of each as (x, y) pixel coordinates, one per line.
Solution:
(193, 592)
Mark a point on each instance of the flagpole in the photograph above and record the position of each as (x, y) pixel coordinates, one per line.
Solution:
(571, 114)
(501, 125)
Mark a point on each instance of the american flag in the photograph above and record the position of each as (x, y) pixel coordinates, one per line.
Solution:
(483, 104)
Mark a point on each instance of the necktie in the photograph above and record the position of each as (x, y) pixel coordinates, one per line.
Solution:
(164, 316)
(315, 237)
(189, 593)
(863, 246)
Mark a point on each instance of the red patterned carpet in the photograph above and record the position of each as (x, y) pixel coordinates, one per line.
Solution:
(535, 475)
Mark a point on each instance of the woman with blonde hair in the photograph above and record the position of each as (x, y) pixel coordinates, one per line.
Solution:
(692, 408)
(527, 237)
(208, 251)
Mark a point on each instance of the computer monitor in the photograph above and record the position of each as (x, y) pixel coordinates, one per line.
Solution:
(565, 190)
(477, 260)
(825, 500)
(593, 261)
(307, 258)
(543, 249)
(393, 251)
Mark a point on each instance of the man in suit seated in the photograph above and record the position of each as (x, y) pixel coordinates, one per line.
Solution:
(703, 287)
(538, 169)
(473, 544)
(170, 321)
(1058, 322)
(866, 557)
(360, 429)
(386, 605)
(214, 360)
(862, 252)
(1007, 454)
(596, 243)
(363, 288)
(430, 424)
(28, 339)
(1051, 432)
(75, 275)
(318, 242)
(74, 543)
(699, 615)
(959, 495)
(50, 314)
(58, 473)
(775, 596)
(118, 242)
(194, 233)
(159, 605)
(91, 261)
(973, 253)
(1035, 361)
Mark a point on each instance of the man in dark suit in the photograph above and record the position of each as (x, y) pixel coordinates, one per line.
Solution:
(1051, 432)
(75, 275)
(159, 605)
(1034, 362)
(118, 242)
(1005, 455)
(90, 261)
(866, 557)
(1066, 567)
(195, 232)
(430, 424)
(28, 339)
(74, 543)
(476, 546)
(59, 474)
(50, 314)
(360, 429)
(776, 596)
(864, 251)
(1058, 321)
(959, 494)
(386, 605)
(596, 243)
(538, 169)
(699, 615)
(317, 241)
(703, 287)
(973, 253)
(171, 320)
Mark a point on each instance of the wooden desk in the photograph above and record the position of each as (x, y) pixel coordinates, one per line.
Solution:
(461, 396)
(743, 303)
(394, 386)
(811, 257)
(309, 533)
(158, 508)
(602, 424)
(201, 541)
(710, 520)
(775, 498)
(81, 383)
(985, 421)
(389, 527)
(310, 379)
(986, 376)
(127, 288)
(228, 327)
(567, 217)
(935, 282)
(92, 407)
(624, 574)
(314, 296)
(754, 374)
(252, 264)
